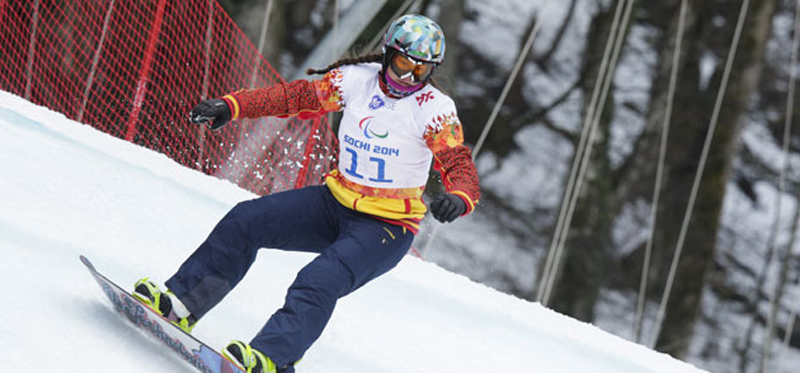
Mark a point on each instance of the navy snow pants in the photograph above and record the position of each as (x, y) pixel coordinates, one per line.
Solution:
(354, 248)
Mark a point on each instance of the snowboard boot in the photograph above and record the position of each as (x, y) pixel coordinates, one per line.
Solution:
(248, 358)
(166, 303)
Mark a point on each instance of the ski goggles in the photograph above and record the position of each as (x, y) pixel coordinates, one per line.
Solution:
(404, 66)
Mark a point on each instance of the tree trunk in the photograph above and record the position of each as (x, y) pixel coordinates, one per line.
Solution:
(693, 110)
(452, 13)
(588, 246)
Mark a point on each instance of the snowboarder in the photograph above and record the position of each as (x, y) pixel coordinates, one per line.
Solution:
(362, 221)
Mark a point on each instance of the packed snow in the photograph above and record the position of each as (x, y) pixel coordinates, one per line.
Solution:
(69, 190)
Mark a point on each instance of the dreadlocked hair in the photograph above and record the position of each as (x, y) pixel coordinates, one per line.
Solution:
(377, 57)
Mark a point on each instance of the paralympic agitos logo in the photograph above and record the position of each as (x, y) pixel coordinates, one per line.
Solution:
(365, 125)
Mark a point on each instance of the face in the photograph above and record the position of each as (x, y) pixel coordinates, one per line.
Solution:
(407, 71)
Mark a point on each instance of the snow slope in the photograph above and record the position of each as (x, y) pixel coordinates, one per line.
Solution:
(68, 189)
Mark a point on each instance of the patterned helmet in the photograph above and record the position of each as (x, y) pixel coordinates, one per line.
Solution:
(416, 36)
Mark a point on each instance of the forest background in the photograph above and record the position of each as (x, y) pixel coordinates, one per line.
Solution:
(723, 181)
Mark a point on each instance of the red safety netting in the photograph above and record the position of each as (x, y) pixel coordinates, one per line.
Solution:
(134, 69)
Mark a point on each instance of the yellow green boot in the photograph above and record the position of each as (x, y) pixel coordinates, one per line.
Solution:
(248, 358)
(166, 303)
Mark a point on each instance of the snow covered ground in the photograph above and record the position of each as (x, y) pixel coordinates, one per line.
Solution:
(68, 189)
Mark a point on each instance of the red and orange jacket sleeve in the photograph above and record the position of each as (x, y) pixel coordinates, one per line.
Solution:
(301, 98)
(453, 160)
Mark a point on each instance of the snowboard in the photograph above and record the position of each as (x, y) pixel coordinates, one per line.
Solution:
(199, 355)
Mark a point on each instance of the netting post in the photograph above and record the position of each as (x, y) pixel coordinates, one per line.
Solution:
(32, 50)
(95, 61)
(201, 132)
(144, 72)
(261, 40)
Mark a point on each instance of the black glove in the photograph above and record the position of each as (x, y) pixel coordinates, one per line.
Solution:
(214, 110)
(447, 207)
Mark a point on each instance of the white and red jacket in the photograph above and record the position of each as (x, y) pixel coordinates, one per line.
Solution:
(386, 145)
